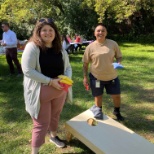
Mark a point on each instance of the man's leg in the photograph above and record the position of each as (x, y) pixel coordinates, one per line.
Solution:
(15, 60)
(116, 100)
(98, 100)
(113, 88)
(117, 103)
(9, 61)
(97, 108)
(97, 93)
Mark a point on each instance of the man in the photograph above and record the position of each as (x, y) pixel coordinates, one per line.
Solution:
(100, 54)
(9, 42)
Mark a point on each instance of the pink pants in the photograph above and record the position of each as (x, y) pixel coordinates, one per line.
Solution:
(52, 102)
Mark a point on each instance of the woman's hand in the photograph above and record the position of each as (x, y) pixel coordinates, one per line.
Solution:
(55, 84)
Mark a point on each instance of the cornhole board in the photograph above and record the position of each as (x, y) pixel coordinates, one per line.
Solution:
(107, 137)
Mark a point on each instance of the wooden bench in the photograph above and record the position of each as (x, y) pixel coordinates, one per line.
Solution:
(107, 137)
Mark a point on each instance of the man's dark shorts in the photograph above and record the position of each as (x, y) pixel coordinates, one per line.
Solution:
(112, 87)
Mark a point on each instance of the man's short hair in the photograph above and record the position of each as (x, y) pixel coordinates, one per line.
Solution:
(6, 23)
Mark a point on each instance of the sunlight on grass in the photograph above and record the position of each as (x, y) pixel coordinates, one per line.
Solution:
(137, 85)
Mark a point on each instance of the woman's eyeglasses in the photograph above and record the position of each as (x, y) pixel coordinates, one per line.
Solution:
(48, 20)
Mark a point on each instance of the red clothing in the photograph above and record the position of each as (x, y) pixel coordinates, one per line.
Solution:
(69, 39)
(78, 39)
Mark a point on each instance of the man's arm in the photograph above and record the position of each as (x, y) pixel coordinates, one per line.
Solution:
(85, 73)
(119, 60)
(2, 41)
(85, 69)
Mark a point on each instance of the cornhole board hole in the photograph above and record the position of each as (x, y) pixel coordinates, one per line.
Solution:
(107, 137)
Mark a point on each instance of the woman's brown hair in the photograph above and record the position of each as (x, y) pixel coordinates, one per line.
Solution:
(56, 44)
(64, 38)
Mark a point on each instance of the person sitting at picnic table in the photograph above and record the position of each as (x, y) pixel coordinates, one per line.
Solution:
(100, 55)
(77, 38)
(68, 38)
(77, 42)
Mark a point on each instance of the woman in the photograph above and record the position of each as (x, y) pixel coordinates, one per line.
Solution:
(42, 61)
(65, 43)
(100, 54)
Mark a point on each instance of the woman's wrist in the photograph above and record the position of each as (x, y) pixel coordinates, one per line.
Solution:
(50, 83)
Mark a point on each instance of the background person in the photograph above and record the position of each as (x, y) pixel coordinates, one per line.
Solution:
(65, 43)
(69, 38)
(9, 42)
(42, 61)
(78, 42)
(100, 55)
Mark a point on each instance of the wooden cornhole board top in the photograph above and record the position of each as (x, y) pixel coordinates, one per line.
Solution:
(108, 136)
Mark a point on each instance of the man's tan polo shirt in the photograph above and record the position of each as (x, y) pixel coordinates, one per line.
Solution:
(101, 57)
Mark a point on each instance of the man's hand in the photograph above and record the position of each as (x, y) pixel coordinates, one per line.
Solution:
(85, 81)
(3, 44)
(119, 60)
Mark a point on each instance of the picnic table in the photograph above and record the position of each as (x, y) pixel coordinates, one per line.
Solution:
(2, 50)
(20, 46)
(72, 48)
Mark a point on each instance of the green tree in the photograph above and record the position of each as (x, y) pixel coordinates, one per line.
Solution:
(125, 16)
(23, 14)
(80, 18)
(72, 16)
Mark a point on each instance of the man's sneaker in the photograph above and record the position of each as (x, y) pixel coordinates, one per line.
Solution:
(119, 116)
(97, 111)
(57, 141)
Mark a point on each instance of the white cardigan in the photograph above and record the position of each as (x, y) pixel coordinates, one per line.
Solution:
(33, 78)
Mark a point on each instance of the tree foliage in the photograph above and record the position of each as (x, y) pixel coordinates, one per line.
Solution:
(80, 18)
(23, 14)
(125, 16)
(72, 16)
(120, 10)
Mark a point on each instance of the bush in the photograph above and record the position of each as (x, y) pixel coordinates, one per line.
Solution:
(143, 38)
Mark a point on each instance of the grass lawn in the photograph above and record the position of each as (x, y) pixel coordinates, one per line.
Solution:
(137, 85)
